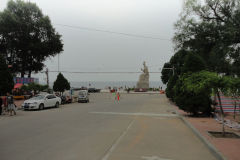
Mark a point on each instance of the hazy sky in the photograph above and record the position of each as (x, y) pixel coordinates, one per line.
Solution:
(96, 51)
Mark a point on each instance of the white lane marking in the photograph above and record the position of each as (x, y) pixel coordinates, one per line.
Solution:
(137, 114)
(106, 156)
(153, 158)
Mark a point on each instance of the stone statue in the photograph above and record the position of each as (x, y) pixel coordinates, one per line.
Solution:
(143, 82)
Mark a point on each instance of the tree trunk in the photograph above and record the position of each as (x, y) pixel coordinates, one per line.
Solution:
(29, 73)
(22, 74)
(222, 113)
(22, 70)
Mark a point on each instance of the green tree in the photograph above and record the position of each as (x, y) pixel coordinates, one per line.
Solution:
(27, 36)
(61, 84)
(169, 90)
(211, 29)
(193, 63)
(189, 101)
(176, 63)
(206, 81)
(166, 72)
(183, 62)
(6, 80)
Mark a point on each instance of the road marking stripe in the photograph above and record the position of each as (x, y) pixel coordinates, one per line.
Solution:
(137, 114)
(153, 158)
(117, 142)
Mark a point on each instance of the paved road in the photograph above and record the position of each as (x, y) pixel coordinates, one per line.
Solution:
(139, 127)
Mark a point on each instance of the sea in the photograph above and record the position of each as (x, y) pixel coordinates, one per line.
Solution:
(106, 84)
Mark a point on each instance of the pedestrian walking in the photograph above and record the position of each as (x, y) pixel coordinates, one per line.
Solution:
(118, 96)
(114, 94)
(1, 102)
(11, 105)
(128, 90)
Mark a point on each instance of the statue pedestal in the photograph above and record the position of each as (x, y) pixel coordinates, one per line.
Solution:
(143, 82)
(140, 90)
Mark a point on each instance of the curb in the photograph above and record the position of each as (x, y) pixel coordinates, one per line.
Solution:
(211, 148)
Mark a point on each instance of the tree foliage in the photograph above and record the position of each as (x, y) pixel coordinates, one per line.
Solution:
(193, 63)
(210, 81)
(183, 62)
(211, 29)
(61, 84)
(207, 38)
(166, 72)
(6, 80)
(169, 90)
(34, 87)
(27, 36)
(176, 63)
(189, 101)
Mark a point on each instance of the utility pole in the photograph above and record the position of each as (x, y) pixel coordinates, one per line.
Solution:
(47, 76)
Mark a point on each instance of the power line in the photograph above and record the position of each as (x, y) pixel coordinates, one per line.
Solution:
(100, 72)
(113, 32)
(100, 68)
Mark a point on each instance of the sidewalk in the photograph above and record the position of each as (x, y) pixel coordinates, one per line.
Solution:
(229, 147)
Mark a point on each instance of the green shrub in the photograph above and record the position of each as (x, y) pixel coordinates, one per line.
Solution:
(34, 87)
(166, 73)
(170, 86)
(191, 102)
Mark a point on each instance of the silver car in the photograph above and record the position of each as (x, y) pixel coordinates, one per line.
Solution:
(83, 96)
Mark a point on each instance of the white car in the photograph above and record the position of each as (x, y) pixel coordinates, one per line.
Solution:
(42, 101)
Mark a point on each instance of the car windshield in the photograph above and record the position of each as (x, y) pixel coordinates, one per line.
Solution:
(82, 93)
(38, 97)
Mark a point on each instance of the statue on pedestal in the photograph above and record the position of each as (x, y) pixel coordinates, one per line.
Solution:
(143, 82)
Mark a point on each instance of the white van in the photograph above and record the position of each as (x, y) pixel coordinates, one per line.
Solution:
(83, 96)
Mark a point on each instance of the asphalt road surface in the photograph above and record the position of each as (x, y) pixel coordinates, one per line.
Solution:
(138, 127)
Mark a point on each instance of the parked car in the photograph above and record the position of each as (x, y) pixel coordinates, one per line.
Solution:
(66, 99)
(83, 88)
(93, 90)
(42, 101)
(83, 96)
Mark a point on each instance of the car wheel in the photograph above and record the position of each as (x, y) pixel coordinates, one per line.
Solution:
(57, 105)
(41, 106)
